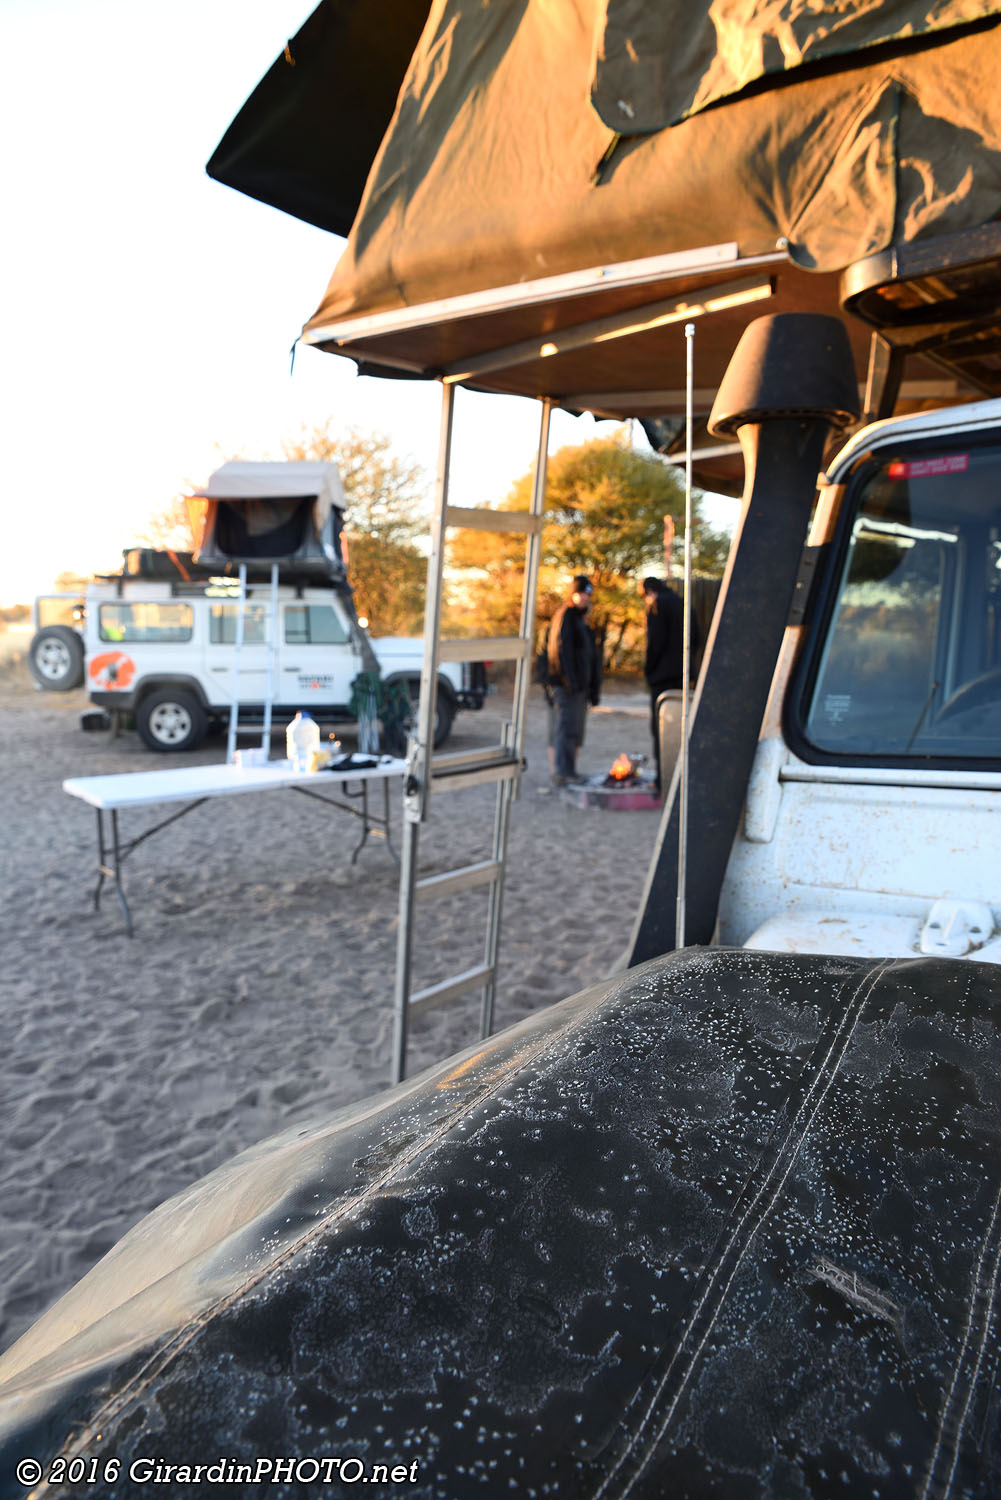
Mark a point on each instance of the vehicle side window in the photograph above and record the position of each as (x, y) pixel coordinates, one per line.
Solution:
(147, 622)
(314, 625)
(222, 624)
(911, 661)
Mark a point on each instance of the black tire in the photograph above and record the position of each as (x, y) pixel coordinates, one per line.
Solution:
(443, 720)
(396, 735)
(55, 658)
(170, 720)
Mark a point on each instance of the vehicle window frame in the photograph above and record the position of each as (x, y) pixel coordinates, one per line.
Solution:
(219, 609)
(127, 640)
(308, 604)
(824, 600)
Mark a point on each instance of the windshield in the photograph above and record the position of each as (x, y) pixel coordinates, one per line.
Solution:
(911, 662)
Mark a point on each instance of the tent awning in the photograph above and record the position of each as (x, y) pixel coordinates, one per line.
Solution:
(610, 340)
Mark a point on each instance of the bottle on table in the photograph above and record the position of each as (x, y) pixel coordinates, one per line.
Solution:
(302, 738)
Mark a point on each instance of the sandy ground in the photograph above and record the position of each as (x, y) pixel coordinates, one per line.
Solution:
(257, 991)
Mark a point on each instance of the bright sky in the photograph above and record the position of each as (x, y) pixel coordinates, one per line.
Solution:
(148, 312)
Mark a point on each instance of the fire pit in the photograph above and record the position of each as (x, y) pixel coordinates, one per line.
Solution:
(624, 770)
(624, 786)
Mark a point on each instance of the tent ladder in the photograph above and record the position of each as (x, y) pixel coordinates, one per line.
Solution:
(269, 692)
(428, 773)
(234, 682)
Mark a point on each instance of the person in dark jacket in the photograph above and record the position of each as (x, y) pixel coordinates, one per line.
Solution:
(574, 669)
(663, 666)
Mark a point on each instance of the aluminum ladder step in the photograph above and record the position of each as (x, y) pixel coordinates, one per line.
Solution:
(465, 878)
(478, 518)
(489, 647)
(461, 760)
(450, 989)
(503, 767)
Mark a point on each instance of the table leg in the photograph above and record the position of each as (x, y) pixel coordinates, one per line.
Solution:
(101, 858)
(387, 828)
(118, 873)
(114, 870)
(364, 822)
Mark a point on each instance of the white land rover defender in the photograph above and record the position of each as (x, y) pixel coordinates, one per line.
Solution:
(259, 619)
(164, 651)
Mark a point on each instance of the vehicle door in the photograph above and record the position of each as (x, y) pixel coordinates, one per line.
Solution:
(878, 834)
(221, 655)
(317, 659)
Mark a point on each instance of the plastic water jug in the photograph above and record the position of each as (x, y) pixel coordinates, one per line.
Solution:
(302, 737)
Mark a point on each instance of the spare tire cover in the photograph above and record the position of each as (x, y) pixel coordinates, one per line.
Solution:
(726, 1226)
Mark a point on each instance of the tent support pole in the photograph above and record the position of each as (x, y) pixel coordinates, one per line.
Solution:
(686, 649)
(234, 692)
(417, 783)
(514, 733)
(269, 691)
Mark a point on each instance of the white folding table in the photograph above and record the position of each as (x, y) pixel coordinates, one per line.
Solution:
(193, 785)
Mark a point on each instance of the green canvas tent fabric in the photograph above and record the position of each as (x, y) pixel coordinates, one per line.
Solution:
(521, 232)
(305, 139)
(659, 63)
(497, 168)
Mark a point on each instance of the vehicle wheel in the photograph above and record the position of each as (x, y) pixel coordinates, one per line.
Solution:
(171, 720)
(396, 733)
(55, 658)
(443, 720)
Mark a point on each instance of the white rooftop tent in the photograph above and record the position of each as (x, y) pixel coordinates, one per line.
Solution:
(268, 512)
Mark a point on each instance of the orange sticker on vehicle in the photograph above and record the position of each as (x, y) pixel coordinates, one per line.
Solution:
(111, 671)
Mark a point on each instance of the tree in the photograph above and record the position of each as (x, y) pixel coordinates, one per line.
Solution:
(605, 509)
(385, 493)
(389, 583)
(169, 528)
(72, 583)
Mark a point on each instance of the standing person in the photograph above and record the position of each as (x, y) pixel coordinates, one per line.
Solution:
(663, 666)
(574, 678)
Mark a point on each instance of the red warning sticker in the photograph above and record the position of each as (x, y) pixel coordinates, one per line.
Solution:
(924, 468)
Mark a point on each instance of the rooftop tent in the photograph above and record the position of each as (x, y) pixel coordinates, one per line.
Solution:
(286, 513)
(562, 186)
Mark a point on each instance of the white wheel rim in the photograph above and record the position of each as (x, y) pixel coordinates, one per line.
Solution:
(53, 659)
(169, 722)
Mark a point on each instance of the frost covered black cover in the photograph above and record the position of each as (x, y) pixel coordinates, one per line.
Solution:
(727, 1226)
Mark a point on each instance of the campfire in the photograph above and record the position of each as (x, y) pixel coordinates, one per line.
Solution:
(624, 770)
(624, 786)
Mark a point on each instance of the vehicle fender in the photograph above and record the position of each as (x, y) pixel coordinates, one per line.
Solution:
(446, 687)
(725, 1207)
(191, 685)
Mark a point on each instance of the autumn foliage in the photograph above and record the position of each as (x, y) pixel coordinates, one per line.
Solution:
(605, 509)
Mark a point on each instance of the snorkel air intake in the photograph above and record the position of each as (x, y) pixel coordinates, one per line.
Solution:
(790, 383)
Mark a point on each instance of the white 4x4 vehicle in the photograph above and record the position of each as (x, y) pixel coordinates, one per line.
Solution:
(164, 651)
